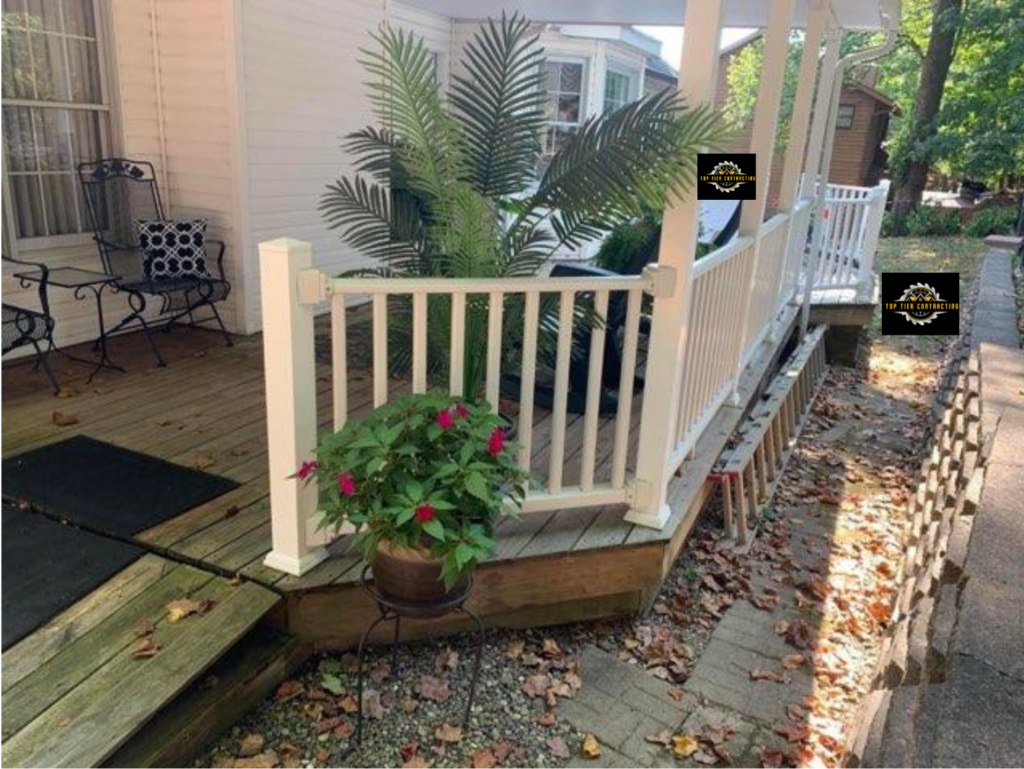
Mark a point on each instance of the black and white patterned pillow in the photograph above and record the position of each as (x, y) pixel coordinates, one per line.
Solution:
(173, 249)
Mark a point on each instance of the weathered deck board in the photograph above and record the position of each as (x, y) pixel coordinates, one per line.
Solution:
(81, 704)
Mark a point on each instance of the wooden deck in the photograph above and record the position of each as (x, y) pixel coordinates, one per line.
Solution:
(74, 691)
(207, 409)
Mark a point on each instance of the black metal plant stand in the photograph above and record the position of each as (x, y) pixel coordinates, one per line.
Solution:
(391, 608)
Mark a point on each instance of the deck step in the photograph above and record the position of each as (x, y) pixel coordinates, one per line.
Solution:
(87, 694)
(241, 679)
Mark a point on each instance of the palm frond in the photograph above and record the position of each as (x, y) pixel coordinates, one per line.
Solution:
(499, 106)
(622, 163)
(375, 222)
(406, 99)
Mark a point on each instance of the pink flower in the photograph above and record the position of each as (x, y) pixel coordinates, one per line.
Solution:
(461, 411)
(306, 469)
(424, 512)
(496, 441)
(346, 484)
(444, 419)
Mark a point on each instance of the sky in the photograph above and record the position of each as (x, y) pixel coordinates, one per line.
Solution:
(672, 39)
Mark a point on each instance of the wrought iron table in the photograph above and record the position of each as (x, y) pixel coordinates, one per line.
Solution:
(80, 281)
(391, 608)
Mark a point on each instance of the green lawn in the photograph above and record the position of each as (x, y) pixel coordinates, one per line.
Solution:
(938, 254)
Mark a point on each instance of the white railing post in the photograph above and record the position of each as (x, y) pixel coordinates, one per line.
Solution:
(813, 174)
(698, 76)
(289, 291)
(762, 144)
(874, 230)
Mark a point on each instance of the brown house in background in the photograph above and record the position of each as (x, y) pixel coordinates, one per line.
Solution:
(861, 125)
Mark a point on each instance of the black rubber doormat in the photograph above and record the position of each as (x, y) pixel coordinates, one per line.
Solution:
(106, 488)
(48, 566)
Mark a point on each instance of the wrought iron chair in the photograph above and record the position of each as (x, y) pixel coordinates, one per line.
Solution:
(23, 326)
(117, 192)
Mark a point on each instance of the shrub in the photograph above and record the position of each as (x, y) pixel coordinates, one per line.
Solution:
(931, 220)
(996, 220)
(893, 225)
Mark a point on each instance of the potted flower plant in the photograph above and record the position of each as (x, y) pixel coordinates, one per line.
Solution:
(424, 480)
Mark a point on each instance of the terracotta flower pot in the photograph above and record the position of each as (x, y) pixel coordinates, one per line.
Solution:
(411, 574)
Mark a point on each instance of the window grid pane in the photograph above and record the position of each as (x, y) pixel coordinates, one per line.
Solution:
(563, 82)
(50, 54)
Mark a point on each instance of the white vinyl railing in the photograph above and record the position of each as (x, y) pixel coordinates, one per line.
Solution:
(851, 223)
(739, 295)
(593, 483)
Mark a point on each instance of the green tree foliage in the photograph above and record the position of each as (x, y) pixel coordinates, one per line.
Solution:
(744, 78)
(980, 125)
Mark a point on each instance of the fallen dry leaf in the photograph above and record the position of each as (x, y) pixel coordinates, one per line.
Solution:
(288, 690)
(759, 674)
(447, 659)
(433, 689)
(483, 759)
(251, 744)
(372, 705)
(771, 758)
(514, 648)
(590, 747)
(146, 648)
(265, 760)
(448, 733)
(664, 737)
(684, 745)
(548, 719)
(64, 420)
(536, 685)
(416, 762)
(202, 461)
(143, 628)
(180, 608)
(793, 731)
(558, 748)
(793, 661)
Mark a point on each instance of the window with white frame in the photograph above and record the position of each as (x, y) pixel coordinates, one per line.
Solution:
(564, 108)
(618, 90)
(54, 112)
(844, 116)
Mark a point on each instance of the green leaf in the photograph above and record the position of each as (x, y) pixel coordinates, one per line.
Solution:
(405, 516)
(464, 554)
(477, 486)
(435, 529)
(414, 490)
(332, 684)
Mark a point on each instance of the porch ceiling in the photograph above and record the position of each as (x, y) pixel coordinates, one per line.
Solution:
(850, 14)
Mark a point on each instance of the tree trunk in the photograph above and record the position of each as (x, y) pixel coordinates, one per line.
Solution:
(934, 68)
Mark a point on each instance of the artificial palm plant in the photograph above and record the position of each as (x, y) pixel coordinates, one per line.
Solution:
(448, 185)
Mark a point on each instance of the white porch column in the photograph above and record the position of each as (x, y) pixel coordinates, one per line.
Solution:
(815, 172)
(797, 140)
(698, 78)
(290, 372)
(766, 111)
(762, 144)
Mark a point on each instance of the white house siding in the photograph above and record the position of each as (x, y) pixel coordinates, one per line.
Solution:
(303, 91)
(196, 91)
